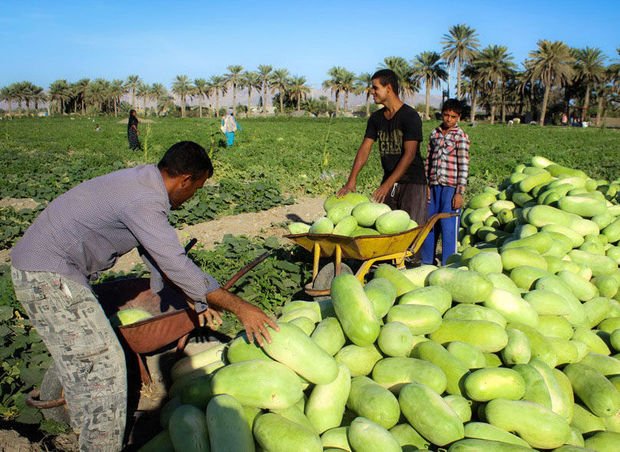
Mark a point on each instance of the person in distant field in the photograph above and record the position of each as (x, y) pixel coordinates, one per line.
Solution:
(447, 170)
(397, 129)
(564, 119)
(132, 131)
(82, 233)
(229, 127)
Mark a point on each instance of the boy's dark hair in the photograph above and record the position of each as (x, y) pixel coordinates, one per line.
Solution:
(186, 157)
(387, 77)
(454, 105)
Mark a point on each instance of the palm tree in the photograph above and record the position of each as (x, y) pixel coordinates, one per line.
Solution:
(470, 71)
(98, 92)
(429, 68)
(219, 84)
(80, 89)
(551, 64)
(202, 90)
(117, 90)
(589, 70)
(6, 94)
(38, 96)
(30, 92)
(251, 80)
(59, 92)
(347, 84)
(157, 92)
(494, 65)
(143, 91)
(279, 81)
(233, 78)
(264, 71)
(298, 89)
(364, 86)
(131, 84)
(334, 83)
(407, 83)
(182, 87)
(604, 88)
(459, 45)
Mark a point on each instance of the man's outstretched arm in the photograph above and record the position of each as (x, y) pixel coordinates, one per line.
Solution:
(252, 317)
(360, 160)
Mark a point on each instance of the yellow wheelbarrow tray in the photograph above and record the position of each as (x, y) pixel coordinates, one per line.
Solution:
(367, 248)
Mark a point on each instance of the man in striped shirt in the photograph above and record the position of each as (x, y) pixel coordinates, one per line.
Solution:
(82, 233)
(447, 169)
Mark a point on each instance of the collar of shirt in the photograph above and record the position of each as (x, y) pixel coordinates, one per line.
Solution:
(451, 130)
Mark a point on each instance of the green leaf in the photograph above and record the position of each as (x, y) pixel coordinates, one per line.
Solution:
(272, 242)
(6, 313)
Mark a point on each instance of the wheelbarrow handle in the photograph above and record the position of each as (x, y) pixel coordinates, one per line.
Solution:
(32, 400)
(245, 269)
(190, 245)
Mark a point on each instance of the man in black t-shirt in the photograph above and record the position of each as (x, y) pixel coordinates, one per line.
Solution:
(397, 128)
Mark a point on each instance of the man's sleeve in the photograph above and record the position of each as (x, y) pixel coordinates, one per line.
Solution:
(148, 221)
(412, 127)
(462, 158)
(371, 129)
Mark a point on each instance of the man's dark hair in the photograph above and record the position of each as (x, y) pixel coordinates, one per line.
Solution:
(454, 105)
(387, 77)
(186, 157)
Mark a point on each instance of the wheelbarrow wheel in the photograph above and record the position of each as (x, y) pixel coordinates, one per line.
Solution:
(325, 276)
(51, 389)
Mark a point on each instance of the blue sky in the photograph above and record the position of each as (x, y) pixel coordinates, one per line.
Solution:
(45, 40)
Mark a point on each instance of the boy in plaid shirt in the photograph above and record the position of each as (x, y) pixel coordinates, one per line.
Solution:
(447, 168)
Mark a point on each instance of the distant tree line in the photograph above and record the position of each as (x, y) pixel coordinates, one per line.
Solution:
(554, 78)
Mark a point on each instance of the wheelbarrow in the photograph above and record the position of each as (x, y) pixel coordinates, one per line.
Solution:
(367, 248)
(173, 320)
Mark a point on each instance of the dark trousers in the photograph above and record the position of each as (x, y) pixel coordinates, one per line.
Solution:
(412, 199)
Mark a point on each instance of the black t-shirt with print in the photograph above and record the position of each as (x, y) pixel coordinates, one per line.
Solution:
(390, 136)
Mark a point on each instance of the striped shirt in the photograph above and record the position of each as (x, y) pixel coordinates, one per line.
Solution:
(85, 230)
(447, 162)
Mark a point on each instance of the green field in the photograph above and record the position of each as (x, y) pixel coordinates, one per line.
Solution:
(43, 157)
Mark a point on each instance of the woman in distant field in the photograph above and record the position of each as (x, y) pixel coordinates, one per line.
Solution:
(132, 131)
(229, 126)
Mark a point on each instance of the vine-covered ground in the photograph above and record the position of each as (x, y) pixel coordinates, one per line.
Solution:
(274, 164)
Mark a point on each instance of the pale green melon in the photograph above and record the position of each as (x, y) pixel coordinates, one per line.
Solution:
(346, 226)
(366, 213)
(355, 198)
(339, 211)
(128, 316)
(393, 222)
(298, 228)
(322, 225)
(364, 231)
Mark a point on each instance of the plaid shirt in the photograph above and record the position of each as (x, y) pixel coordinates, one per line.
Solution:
(447, 162)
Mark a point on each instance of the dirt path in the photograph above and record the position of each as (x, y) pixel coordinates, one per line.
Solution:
(264, 224)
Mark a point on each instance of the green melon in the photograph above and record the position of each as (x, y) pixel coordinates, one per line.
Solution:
(128, 316)
(366, 213)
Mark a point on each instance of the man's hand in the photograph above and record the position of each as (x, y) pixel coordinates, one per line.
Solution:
(256, 322)
(457, 201)
(346, 188)
(428, 194)
(210, 318)
(380, 193)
